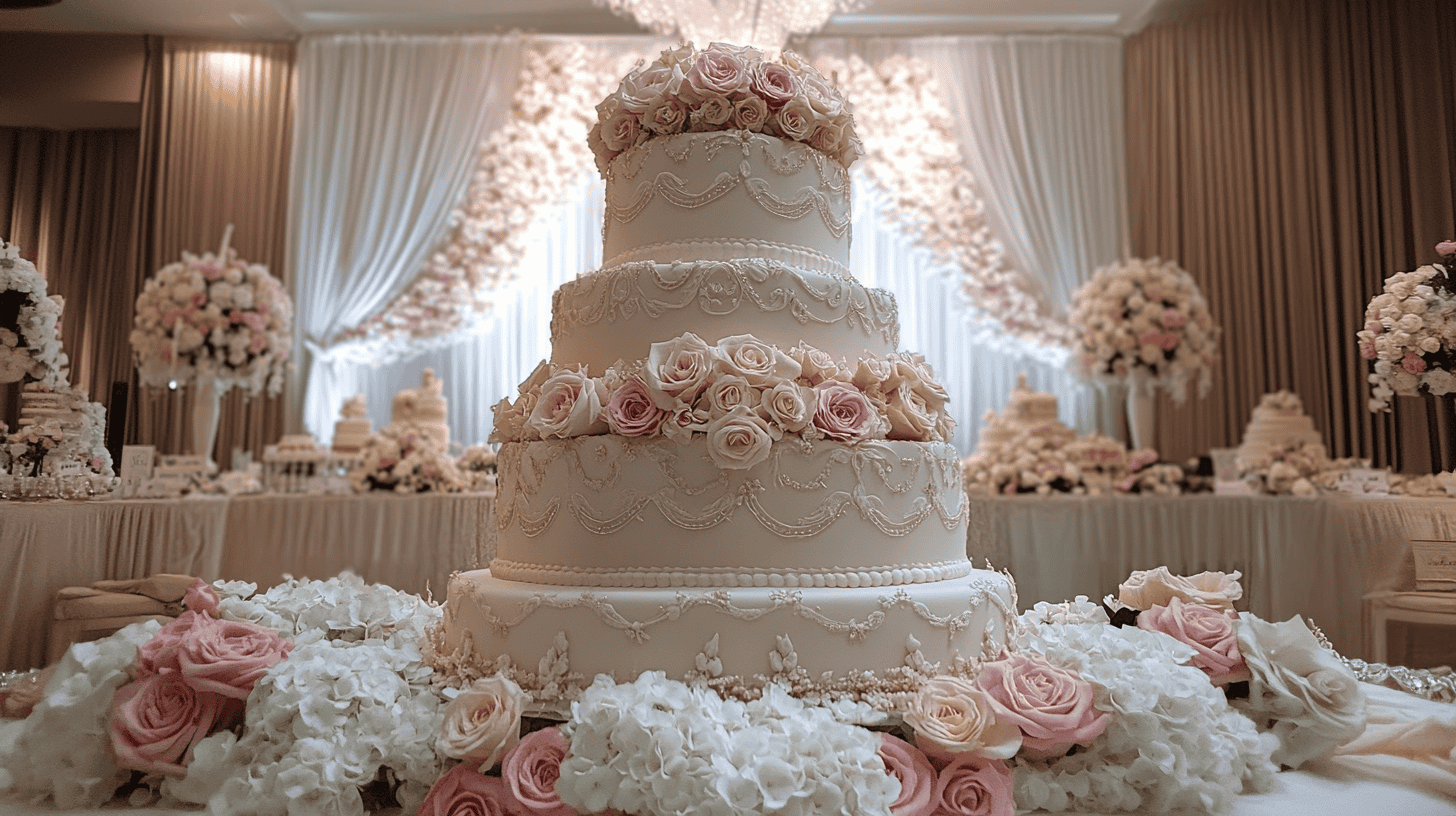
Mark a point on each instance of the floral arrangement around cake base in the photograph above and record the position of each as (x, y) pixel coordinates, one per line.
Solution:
(315, 697)
(1144, 322)
(1410, 332)
(477, 463)
(740, 392)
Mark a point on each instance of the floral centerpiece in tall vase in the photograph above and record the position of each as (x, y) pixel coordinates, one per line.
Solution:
(1410, 332)
(214, 322)
(1144, 324)
(30, 333)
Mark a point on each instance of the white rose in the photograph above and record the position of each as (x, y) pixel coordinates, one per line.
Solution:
(483, 722)
(221, 293)
(740, 439)
(1409, 323)
(1300, 691)
(1439, 381)
(757, 362)
(571, 404)
(1430, 344)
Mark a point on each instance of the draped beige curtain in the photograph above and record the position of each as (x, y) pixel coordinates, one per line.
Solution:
(66, 199)
(217, 119)
(1291, 155)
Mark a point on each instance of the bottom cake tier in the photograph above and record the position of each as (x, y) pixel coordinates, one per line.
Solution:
(869, 644)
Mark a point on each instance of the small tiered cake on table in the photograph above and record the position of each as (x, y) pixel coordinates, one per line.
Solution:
(1279, 423)
(727, 470)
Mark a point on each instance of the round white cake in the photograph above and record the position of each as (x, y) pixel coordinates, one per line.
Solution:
(727, 467)
(1278, 421)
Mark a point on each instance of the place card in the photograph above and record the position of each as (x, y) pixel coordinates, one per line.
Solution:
(136, 467)
(1369, 482)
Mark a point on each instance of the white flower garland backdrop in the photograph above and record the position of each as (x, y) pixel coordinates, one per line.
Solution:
(478, 312)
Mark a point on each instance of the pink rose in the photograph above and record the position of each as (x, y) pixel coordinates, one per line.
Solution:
(532, 768)
(917, 777)
(974, 786)
(1208, 630)
(717, 73)
(570, 405)
(621, 131)
(1446, 248)
(228, 657)
(631, 410)
(1367, 349)
(842, 413)
(157, 721)
(1172, 319)
(773, 83)
(1052, 706)
(201, 598)
(1374, 327)
(466, 792)
(1413, 363)
(160, 654)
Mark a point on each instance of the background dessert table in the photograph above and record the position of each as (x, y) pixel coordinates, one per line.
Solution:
(410, 542)
(47, 545)
(1315, 557)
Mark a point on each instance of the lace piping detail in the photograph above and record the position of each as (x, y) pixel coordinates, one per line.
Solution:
(719, 288)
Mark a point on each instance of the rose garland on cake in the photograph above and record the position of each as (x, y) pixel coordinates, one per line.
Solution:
(1410, 332)
(741, 393)
(725, 87)
(31, 347)
(213, 317)
(1144, 322)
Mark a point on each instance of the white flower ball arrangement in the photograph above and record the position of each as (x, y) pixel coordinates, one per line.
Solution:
(1410, 332)
(725, 87)
(1144, 322)
(31, 345)
(213, 316)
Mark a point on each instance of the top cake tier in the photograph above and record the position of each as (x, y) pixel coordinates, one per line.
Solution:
(727, 195)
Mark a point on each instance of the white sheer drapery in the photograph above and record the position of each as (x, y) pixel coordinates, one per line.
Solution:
(1041, 128)
(387, 128)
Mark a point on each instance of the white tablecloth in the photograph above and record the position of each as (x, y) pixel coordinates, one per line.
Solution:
(47, 545)
(1297, 556)
(411, 543)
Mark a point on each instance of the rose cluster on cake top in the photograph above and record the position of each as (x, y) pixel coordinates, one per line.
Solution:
(725, 87)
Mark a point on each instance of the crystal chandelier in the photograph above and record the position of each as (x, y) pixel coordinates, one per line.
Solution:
(762, 23)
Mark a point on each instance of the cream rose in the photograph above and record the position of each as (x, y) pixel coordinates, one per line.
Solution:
(816, 366)
(956, 716)
(631, 410)
(757, 362)
(740, 439)
(909, 416)
(483, 722)
(1145, 589)
(788, 405)
(750, 113)
(774, 83)
(666, 117)
(571, 404)
(795, 120)
(716, 72)
(679, 369)
(711, 114)
(726, 392)
(684, 421)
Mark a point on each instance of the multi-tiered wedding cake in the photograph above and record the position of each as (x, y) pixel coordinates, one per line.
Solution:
(727, 470)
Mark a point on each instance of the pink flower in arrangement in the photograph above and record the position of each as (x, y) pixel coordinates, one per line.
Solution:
(917, 777)
(631, 410)
(199, 300)
(211, 271)
(1446, 248)
(259, 343)
(165, 354)
(1051, 705)
(157, 721)
(531, 770)
(974, 786)
(229, 657)
(235, 316)
(1374, 327)
(465, 791)
(842, 413)
(1172, 319)
(202, 598)
(1413, 363)
(1367, 349)
(1209, 630)
(1127, 483)
(1142, 459)
(1010, 488)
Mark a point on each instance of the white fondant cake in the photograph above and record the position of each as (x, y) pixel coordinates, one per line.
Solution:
(353, 428)
(726, 468)
(1278, 421)
(423, 411)
(1027, 412)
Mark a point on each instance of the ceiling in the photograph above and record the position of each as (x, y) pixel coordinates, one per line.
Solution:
(282, 19)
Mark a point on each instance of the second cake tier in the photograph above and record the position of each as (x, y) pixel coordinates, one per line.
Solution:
(614, 511)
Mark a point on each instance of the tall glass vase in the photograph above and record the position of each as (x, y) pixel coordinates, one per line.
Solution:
(206, 405)
(1140, 414)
